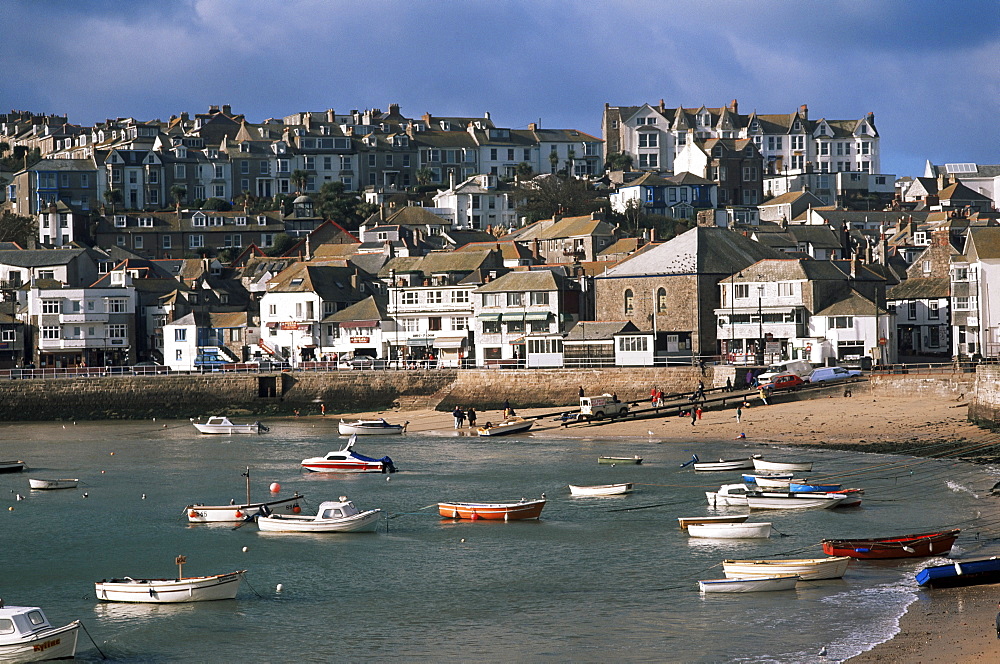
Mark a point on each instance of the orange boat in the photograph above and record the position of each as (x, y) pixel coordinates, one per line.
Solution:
(524, 509)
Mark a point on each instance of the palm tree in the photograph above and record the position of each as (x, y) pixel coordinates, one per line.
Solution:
(300, 179)
(178, 192)
(112, 197)
(523, 171)
(553, 159)
(424, 176)
(619, 161)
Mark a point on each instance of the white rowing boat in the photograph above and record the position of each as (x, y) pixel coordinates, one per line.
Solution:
(730, 530)
(768, 500)
(783, 466)
(685, 521)
(600, 489)
(38, 484)
(811, 569)
(170, 591)
(749, 585)
(724, 464)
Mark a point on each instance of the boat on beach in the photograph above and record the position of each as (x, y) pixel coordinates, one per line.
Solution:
(377, 427)
(26, 635)
(170, 591)
(917, 545)
(506, 427)
(346, 460)
(749, 585)
(807, 569)
(199, 513)
(12, 466)
(222, 425)
(724, 464)
(39, 484)
(513, 511)
(600, 489)
(620, 461)
(685, 521)
(960, 573)
(728, 494)
(339, 516)
(730, 530)
(782, 466)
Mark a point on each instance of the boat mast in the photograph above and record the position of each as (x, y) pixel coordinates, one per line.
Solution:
(247, 475)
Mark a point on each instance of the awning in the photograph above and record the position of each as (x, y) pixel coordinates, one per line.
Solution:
(273, 324)
(420, 341)
(513, 317)
(450, 342)
(358, 323)
(537, 315)
(517, 342)
(489, 317)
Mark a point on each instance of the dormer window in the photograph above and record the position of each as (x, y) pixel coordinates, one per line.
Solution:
(215, 221)
(262, 220)
(297, 281)
(119, 221)
(245, 147)
(146, 222)
(717, 151)
(198, 220)
(241, 221)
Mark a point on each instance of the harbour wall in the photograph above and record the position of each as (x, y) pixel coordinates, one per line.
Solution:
(984, 405)
(281, 394)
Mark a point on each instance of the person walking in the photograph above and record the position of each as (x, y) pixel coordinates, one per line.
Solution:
(698, 411)
(694, 415)
(739, 413)
(749, 378)
(459, 416)
(471, 415)
(729, 384)
(763, 395)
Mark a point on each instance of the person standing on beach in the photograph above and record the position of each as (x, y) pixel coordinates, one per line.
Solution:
(694, 415)
(698, 411)
(471, 414)
(739, 413)
(459, 416)
(581, 391)
(998, 621)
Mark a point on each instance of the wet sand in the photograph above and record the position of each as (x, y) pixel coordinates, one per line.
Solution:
(953, 625)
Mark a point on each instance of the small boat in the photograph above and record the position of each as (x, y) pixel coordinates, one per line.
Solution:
(634, 460)
(852, 497)
(346, 460)
(807, 569)
(783, 466)
(775, 483)
(42, 485)
(508, 426)
(961, 573)
(170, 591)
(724, 464)
(751, 478)
(600, 489)
(728, 494)
(26, 635)
(199, 513)
(776, 500)
(222, 425)
(685, 521)
(523, 509)
(332, 517)
(803, 485)
(730, 530)
(918, 545)
(749, 585)
(371, 428)
(12, 466)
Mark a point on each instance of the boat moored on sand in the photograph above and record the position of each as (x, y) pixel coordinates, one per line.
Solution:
(960, 573)
(917, 545)
(509, 426)
(749, 585)
(620, 461)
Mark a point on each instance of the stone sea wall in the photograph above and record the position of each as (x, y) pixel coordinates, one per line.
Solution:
(984, 405)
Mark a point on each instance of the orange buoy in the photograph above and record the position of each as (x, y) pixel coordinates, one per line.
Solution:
(275, 487)
(474, 516)
(193, 514)
(296, 509)
(239, 514)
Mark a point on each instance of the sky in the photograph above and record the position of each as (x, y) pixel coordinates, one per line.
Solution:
(928, 70)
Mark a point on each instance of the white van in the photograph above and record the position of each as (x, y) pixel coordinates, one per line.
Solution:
(600, 407)
(800, 368)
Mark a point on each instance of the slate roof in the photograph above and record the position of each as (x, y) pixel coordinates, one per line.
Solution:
(701, 250)
(39, 257)
(984, 240)
(541, 280)
(916, 288)
(369, 308)
(589, 330)
(854, 304)
(441, 262)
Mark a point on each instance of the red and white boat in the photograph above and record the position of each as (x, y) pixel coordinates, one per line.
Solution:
(918, 545)
(523, 509)
(346, 460)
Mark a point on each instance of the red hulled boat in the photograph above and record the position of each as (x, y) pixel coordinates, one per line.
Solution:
(524, 509)
(918, 545)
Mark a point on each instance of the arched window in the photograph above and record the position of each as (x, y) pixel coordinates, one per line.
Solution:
(628, 302)
(661, 301)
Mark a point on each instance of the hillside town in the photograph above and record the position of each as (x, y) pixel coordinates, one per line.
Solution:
(375, 240)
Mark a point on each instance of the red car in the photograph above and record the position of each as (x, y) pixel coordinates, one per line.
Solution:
(783, 382)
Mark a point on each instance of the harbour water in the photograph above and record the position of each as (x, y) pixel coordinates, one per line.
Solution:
(595, 580)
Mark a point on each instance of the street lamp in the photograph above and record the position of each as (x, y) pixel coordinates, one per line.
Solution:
(760, 326)
(395, 317)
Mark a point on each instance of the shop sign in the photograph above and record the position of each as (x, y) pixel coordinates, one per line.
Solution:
(360, 340)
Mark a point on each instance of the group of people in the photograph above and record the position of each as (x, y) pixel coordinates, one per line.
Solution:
(656, 397)
(462, 415)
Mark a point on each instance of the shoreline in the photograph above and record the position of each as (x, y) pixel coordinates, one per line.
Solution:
(952, 625)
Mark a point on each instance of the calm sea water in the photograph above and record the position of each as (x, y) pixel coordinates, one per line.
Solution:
(596, 580)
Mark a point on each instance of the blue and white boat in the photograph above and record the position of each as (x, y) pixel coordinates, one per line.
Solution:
(961, 573)
(802, 487)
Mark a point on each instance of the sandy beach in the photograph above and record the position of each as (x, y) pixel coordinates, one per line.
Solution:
(944, 625)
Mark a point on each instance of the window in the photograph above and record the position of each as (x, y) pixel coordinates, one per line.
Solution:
(741, 291)
(841, 322)
(824, 148)
(628, 302)
(137, 241)
(960, 274)
(460, 297)
(8, 335)
(514, 299)
(460, 323)
(50, 332)
(961, 303)
(196, 241)
(51, 306)
(798, 142)
(911, 310)
(934, 340)
(117, 306)
(633, 344)
(749, 173)
(649, 161)
(267, 239)
(661, 301)
(933, 310)
(409, 297)
(265, 168)
(540, 297)
(180, 171)
(167, 242)
(434, 323)
(647, 140)
(434, 297)
(117, 331)
(786, 289)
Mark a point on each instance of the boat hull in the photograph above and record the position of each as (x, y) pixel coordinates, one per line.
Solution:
(223, 513)
(783, 466)
(55, 643)
(792, 501)
(730, 530)
(811, 569)
(12, 466)
(753, 477)
(636, 460)
(918, 545)
(961, 573)
(685, 521)
(492, 511)
(777, 483)
(322, 465)
(370, 428)
(46, 485)
(170, 591)
(506, 428)
(754, 585)
(365, 522)
(797, 487)
(724, 464)
(226, 427)
(727, 495)
(601, 490)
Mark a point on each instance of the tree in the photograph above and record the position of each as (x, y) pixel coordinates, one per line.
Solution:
(523, 171)
(15, 228)
(112, 197)
(549, 195)
(424, 176)
(299, 179)
(619, 161)
(553, 160)
(335, 203)
(282, 243)
(179, 192)
(217, 205)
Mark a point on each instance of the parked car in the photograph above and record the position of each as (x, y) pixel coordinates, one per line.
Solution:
(149, 367)
(363, 362)
(824, 374)
(787, 381)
